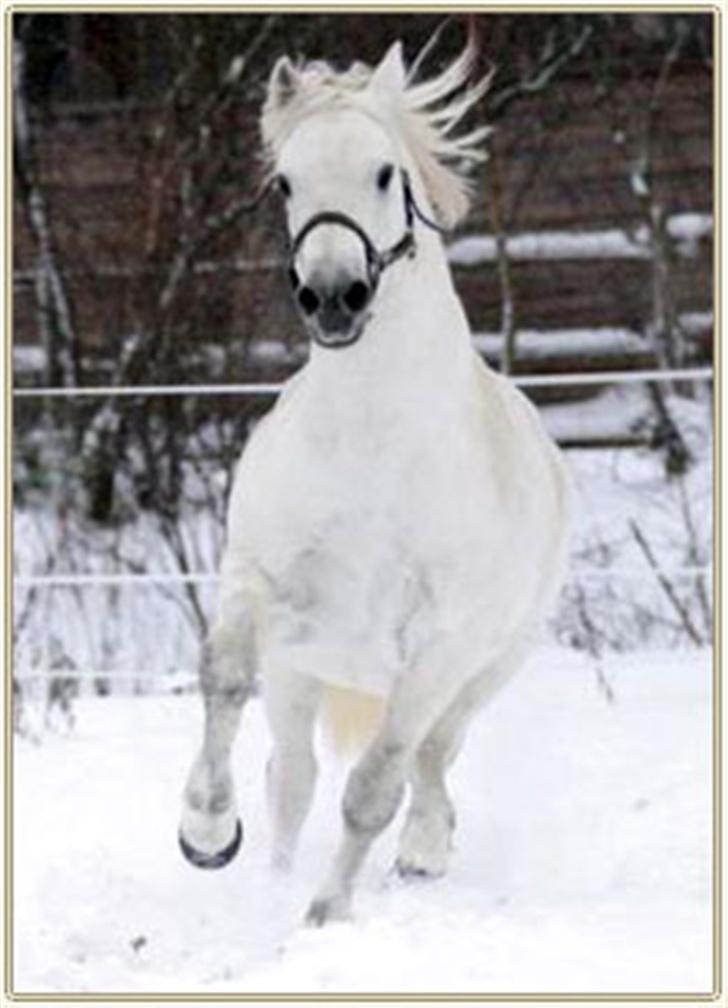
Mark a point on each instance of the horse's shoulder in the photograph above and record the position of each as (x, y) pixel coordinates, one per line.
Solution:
(515, 423)
(501, 406)
(275, 418)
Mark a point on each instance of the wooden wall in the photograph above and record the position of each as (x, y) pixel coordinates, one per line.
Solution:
(564, 160)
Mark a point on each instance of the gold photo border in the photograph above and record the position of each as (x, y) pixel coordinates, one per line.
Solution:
(715, 994)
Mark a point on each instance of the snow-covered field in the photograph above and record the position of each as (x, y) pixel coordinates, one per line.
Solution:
(583, 854)
(582, 860)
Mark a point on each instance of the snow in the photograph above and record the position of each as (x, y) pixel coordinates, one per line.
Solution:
(696, 322)
(608, 244)
(614, 412)
(582, 860)
(638, 182)
(551, 344)
(690, 226)
(27, 359)
(274, 352)
(688, 229)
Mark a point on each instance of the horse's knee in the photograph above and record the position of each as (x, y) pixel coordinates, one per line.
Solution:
(373, 793)
(225, 669)
(432, 756)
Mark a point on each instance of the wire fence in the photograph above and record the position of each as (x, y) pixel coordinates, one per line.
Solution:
(273, 388)
(207, 578)
(161, 579)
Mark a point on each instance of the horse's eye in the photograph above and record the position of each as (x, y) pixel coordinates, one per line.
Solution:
(384, 177)
(284, 186)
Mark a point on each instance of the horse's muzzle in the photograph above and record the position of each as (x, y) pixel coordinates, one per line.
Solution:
(334, 309)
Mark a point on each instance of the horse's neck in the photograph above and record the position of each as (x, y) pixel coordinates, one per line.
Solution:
(414, 354)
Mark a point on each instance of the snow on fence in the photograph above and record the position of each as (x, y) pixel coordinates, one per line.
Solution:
(686, 230)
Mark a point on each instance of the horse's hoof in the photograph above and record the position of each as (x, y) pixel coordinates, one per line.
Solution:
(410, 872)
(217, 860)
(318, 914)
(325, 911)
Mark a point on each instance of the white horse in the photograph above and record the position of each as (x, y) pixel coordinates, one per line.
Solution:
(397, 524)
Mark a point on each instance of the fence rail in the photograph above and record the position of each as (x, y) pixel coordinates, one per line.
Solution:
(273, 388)
(206, 577)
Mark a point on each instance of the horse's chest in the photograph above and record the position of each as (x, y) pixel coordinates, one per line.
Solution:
(360, 526)
(343, 577)
(343, 560)
(360, 556)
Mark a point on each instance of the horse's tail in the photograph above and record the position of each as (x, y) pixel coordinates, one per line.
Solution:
(350, 718)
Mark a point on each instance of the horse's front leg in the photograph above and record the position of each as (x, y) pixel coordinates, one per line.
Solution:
(210, 831)
(376, 785)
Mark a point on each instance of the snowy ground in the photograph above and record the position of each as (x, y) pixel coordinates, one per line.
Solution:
(582, 860)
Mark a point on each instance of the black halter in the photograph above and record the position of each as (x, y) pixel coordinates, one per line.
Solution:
(377, 261)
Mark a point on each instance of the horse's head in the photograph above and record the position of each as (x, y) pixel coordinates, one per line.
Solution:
(356, 155)
(340, 171)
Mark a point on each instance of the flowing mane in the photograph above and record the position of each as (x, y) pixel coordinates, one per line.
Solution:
(423, 114)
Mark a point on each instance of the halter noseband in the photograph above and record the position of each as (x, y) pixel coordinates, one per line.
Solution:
(376, 261)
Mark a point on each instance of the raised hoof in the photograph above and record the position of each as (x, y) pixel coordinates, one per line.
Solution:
(217, 860)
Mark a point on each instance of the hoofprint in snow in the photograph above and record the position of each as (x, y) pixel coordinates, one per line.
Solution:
(582, 860)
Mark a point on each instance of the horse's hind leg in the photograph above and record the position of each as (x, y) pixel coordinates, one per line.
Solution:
(376, 785)
(426, 839)
(210, 831)
(425, 842)
(291, 703)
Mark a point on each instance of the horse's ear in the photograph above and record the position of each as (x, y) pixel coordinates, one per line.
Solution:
(390, 74)
(283, 82)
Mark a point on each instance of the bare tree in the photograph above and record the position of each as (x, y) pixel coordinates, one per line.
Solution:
(54, 313)
(537, 71)
(190, 205)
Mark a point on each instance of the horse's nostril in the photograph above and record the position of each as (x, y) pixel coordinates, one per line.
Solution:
(308, 300)
(356, 296)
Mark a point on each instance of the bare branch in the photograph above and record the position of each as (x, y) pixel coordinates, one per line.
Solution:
(552, 60)
(666, 585)
(592, 643)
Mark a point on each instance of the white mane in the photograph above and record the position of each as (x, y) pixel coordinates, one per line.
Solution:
(422, 114)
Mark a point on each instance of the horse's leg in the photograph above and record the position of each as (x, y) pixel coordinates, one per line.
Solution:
(426, 839)
(425, 842)
(376, 784)
(210, 831)
(291, 703)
